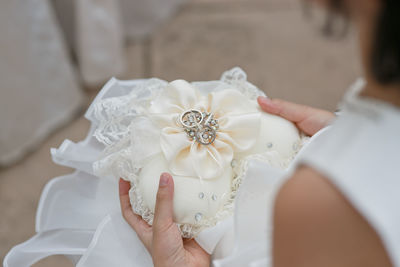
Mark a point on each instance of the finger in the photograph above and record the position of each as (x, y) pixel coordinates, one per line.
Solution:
(142, 229)
(287, 110)
(163, 213)
(133, 219)
(124, 187)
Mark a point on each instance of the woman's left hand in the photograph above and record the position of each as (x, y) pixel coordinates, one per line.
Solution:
(163, 240)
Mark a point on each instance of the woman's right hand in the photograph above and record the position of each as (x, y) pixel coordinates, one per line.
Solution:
(307, 119)
(163, 240)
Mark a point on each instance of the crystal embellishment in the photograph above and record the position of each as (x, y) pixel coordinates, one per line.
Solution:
(201, 195)
(199, 126)
(295, 146)
(198, 217)
(233, 163)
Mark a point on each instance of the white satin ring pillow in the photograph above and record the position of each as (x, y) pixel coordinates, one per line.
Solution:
(145, 136)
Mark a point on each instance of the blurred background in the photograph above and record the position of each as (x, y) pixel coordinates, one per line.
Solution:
(56, 54)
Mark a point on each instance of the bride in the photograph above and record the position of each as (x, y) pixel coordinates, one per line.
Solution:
(336, 206)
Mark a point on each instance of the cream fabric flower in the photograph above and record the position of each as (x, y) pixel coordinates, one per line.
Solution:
(238, 118)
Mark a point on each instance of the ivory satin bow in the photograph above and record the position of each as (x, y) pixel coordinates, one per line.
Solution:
(238, 118)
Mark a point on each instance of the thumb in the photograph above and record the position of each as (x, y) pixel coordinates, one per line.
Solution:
(163, 214)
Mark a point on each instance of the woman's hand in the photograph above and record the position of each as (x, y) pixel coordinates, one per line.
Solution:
(163, 240)
(307, 119)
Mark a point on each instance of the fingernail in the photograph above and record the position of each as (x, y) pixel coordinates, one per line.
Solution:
(164, 179)
(264, 100)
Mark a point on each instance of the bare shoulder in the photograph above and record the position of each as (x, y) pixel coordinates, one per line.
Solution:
(314, 225)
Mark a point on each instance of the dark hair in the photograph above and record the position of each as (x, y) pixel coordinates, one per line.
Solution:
(385, 58)
(386, 50)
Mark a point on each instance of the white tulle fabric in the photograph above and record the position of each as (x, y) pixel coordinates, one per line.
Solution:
(79, 215)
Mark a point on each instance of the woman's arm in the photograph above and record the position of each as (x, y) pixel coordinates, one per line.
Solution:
(314, 226)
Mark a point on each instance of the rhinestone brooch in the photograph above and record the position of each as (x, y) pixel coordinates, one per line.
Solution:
(199, 126)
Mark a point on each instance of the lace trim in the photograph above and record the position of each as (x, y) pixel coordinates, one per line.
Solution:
(116, 131)
(238, 78)
(115, 114)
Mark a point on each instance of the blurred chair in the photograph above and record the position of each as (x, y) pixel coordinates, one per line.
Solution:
(40, 84)
(39, 90)
(96, 30)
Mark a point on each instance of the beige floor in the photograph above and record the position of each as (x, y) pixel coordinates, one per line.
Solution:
(282, 51)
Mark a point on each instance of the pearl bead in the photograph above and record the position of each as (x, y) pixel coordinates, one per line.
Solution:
(233, 163)
(198, 217)
(295, 146)
(201, 195)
